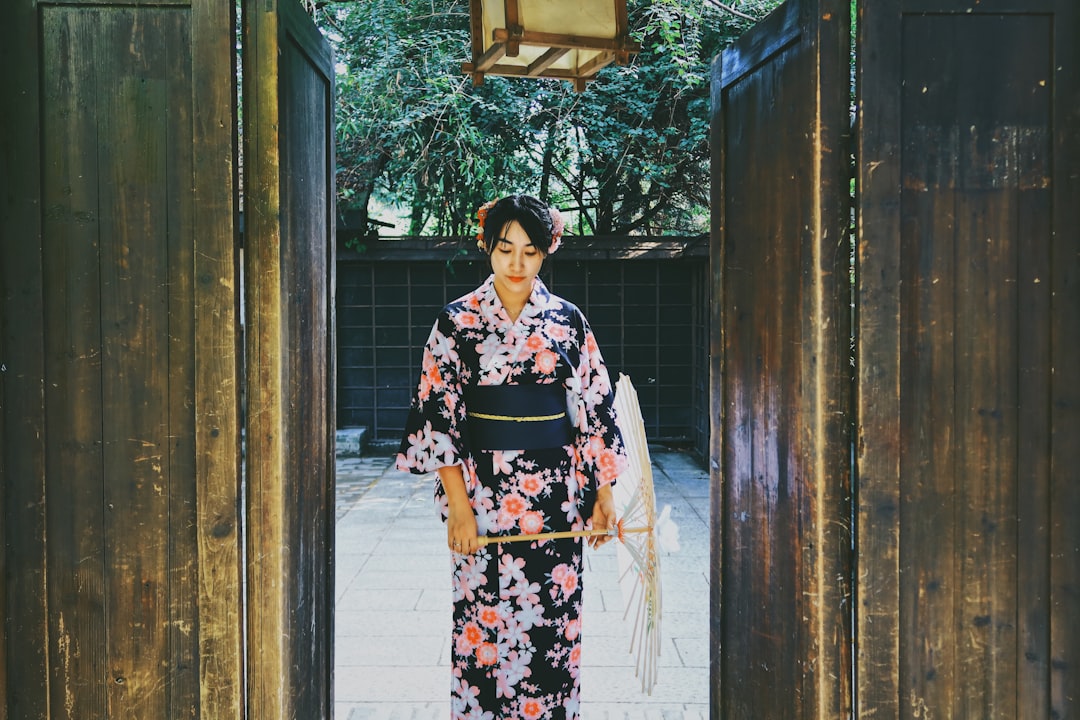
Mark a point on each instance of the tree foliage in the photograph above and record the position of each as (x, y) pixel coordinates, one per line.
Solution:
(628, 155)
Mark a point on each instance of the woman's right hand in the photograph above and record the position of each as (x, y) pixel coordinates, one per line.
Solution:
(461, 522)
(461, 528)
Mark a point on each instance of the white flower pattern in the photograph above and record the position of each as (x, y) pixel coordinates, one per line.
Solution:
(514, 602)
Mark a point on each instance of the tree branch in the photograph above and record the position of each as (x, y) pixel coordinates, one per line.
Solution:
(733, 11)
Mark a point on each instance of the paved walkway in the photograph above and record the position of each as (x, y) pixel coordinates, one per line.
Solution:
(393, 602)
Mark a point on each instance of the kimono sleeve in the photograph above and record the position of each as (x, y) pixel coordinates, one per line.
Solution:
(599, 442)
(433, 437)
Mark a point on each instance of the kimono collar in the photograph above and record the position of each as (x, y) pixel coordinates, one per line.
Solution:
(491, 305)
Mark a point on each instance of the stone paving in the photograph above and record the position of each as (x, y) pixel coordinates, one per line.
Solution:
(392, 619)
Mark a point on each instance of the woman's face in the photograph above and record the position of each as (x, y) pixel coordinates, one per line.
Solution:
(515, 260)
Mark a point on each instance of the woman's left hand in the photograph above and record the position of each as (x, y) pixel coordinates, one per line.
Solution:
(603, 517)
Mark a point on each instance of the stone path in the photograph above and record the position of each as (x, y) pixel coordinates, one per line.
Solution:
(392, 619)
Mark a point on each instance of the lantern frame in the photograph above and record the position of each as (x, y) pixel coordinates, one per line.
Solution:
(517, 38)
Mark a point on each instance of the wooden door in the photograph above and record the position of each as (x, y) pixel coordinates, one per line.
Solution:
(781, 572)
(118, 362)
(968, 442)
(289, 289)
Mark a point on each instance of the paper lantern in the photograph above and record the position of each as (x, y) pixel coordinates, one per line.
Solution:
(566, 39)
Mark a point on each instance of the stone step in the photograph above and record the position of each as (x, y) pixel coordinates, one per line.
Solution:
(351, 441)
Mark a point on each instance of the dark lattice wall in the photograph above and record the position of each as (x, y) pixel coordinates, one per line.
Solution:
(649, 311)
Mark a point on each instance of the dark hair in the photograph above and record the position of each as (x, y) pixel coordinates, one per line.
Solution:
(532, 214)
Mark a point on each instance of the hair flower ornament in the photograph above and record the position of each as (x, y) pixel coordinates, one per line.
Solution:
(558, 226)
(532, 210)
(481, 217)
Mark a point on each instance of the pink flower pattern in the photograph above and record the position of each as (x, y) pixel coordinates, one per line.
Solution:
(516, 634)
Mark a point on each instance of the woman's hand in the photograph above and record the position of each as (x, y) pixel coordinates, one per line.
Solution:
(603, 516)
(461, 523)
(461, 528)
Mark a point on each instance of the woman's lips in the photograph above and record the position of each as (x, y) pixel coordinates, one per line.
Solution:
(515, 278)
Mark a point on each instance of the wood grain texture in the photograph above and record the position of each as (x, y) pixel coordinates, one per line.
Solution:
(104, 596)
(307, 258)
(877, 351)
(179, 451)
(74, 400)
(266, 570)
(780, 261)
(216, 291)
(958, 317)
(717, 404)
(1063, 407)
(289, 299)
(24, 674)
(132, 143)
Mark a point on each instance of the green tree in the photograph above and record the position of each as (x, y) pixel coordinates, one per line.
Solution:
(628, 155)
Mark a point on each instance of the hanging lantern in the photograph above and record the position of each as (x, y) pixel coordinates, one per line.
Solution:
(567, 39)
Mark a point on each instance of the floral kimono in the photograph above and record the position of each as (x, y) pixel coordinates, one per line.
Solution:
(517, 606)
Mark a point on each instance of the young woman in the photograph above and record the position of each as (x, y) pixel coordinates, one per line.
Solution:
(514, 413)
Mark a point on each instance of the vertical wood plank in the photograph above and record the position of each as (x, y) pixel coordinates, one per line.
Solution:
(73, 391)
(1064, 405)
(267, 567)
(306, 258)
(928, 409)
(985, 471)
(183, 670)
(24, 633)
(828, 376)
(132, 143)
(717, 398)
(216, 323)
(1033, 277)
(928, 373)
(877, 348)
(329, 382)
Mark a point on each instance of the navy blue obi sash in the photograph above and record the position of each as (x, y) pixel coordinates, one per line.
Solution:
(517, 417)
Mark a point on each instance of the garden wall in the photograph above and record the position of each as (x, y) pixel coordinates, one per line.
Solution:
(646, 299)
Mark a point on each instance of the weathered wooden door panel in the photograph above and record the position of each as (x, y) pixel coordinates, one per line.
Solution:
(780, 258)
(120, 434)
(109, 419)
(289, 249)
(969, 309)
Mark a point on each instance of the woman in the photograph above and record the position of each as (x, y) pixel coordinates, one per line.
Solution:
(514, 413)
